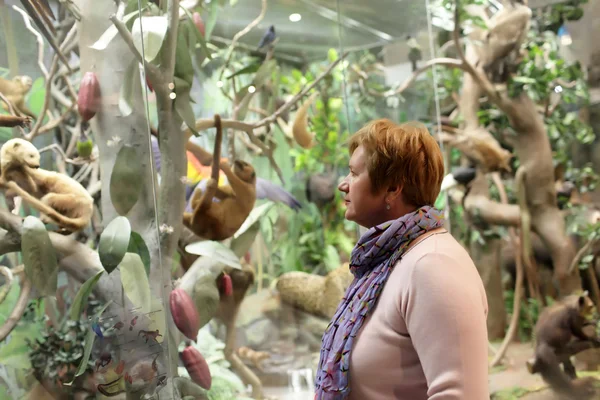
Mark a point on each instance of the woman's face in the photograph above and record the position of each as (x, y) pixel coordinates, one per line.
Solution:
(363, 207)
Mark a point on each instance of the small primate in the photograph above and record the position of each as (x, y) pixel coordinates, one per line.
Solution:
(59, 198)
(500, 50)
(15, 90)
(557, 325)
(219, 220)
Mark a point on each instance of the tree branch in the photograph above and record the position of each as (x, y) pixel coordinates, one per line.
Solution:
(17, 313)
(239, 35)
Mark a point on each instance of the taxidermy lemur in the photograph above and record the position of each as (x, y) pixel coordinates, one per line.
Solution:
(59, 198)
(218, 212)
(15, 90)
(556, 326)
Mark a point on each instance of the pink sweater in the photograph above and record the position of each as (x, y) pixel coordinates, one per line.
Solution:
(426, 339)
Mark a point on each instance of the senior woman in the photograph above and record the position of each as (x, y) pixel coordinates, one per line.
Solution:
(412, 324)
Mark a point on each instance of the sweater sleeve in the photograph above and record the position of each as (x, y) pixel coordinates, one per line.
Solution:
(445, 313)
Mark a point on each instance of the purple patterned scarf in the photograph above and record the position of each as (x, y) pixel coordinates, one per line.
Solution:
(371, 262)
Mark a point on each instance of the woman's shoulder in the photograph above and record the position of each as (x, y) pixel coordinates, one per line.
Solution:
(439, 256)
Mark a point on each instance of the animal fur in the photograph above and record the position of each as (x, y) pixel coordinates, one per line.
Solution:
(15, 91)
(554, 331)
(220, 220)
(59, 198)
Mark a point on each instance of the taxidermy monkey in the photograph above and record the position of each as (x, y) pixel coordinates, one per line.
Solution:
(219, 219)
(300, 128)
(15, 90)
(555, 328)
(502, 42)
(59, 198)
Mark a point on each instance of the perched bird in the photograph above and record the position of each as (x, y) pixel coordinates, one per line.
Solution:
(459, 176)
(414, 52)
(268, 37)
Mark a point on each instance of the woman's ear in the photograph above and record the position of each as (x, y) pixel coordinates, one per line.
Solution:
(393, 192)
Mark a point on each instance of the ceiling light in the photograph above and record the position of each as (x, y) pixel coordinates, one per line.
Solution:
(295, 17)
(251, 89)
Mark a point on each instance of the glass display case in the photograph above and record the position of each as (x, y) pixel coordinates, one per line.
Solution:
(171, 225)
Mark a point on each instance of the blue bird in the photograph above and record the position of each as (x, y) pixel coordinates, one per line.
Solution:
(268, 37)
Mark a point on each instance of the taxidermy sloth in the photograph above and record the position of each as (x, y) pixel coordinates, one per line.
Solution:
(218, 212)
(555, 328)
(59, 198)
(15, 90)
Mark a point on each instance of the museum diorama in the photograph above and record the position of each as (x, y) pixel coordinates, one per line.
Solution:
(171, 224)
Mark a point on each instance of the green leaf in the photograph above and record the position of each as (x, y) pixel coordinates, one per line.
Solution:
(215, 250)
(114, 242)
(127, 88)
(264, 72)
(15, 353)
(81, 298)
(250, 69)
(184, 109)
(184, 68)
(39, 256)
(212, 19)
(111, 32)
(88, 344)
(197, 33)
(138, 246)
(125, 181)
(332, 55)
(148, 34)
(135, 281)
(523, 79)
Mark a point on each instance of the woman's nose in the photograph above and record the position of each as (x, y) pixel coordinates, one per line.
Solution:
(343, 186)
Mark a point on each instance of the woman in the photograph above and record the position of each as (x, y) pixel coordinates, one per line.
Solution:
(412, 325)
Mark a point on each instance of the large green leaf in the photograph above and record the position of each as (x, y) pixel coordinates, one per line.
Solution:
(39, 256)
(138, 246)
(114, 242)
(148, 34)
(184, 68)
(215, 250)
(127, 88)
(331, 258)
(197, 34)
(125, 181)
(135, 282)
(81, 298)
(111, 32)
(212, 19)
(88, 344)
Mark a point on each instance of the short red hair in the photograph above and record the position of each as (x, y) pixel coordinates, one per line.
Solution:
(405, 155)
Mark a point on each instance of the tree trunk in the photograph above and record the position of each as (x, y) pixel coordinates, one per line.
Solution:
(532, 146)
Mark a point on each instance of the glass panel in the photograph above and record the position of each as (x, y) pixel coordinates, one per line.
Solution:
(89, 255)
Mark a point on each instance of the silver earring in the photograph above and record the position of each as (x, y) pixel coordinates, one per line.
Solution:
(387, 207)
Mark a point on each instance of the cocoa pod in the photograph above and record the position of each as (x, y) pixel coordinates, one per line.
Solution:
(199, 23)
(196, 366)
(227, 285)
(149, 84)
(88, 98)
(184, 312)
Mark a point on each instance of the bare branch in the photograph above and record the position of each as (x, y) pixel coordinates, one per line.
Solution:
(581, 253)
(39, 38)
(17, 313)
(241, 33)
(288, 104)
(171, 41)
(36, 128)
